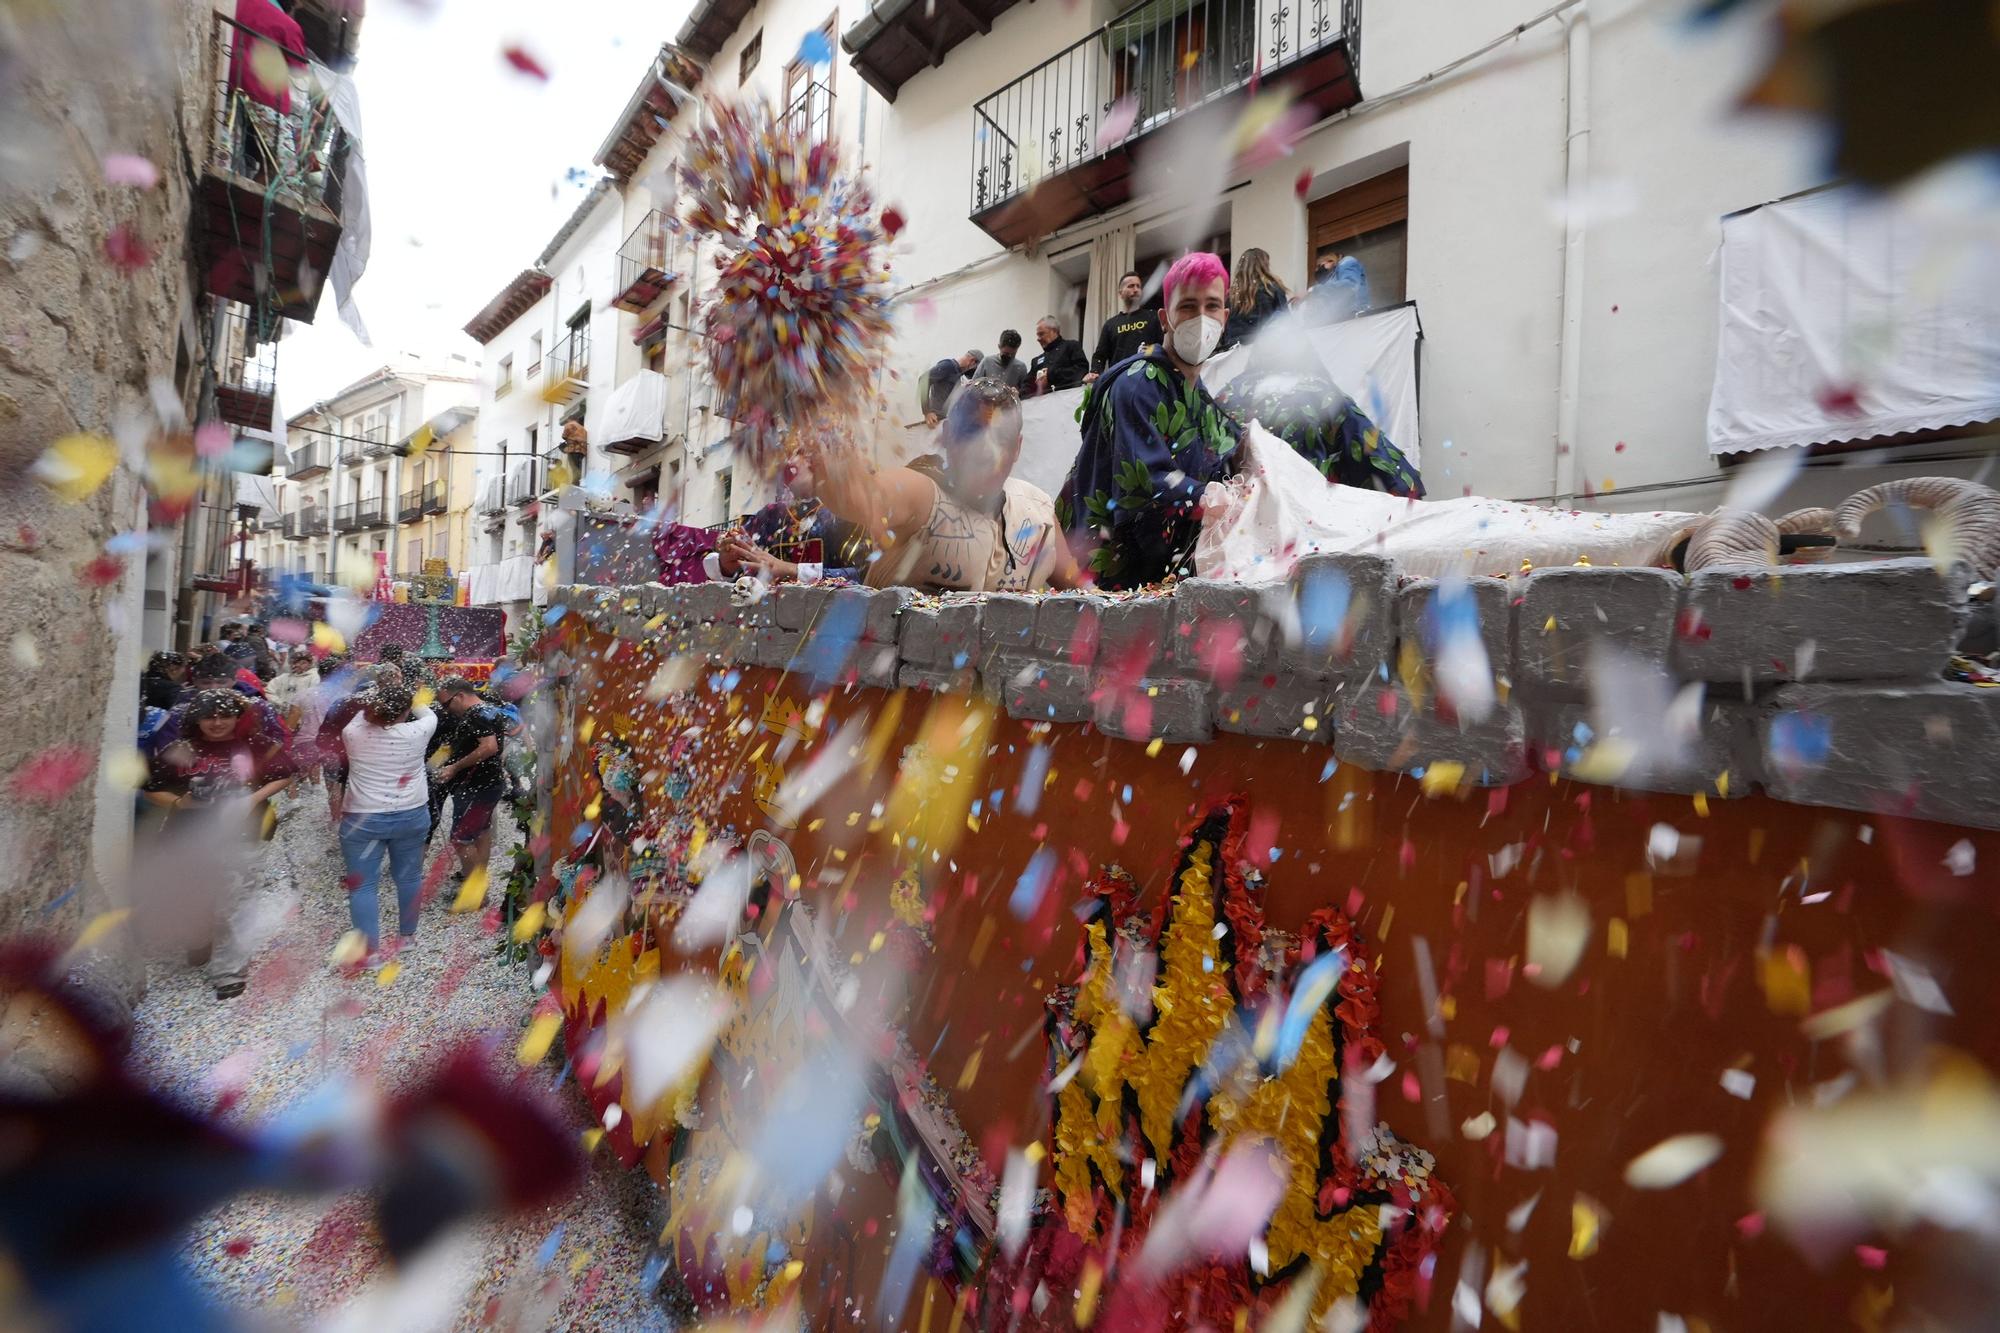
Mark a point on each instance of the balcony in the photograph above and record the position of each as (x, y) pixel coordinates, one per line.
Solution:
(375, 442)
(271, 520)
(267, 214)
(569, 368)
(810, 116)
(645, 264)
(305, 525)
(1060, 131)
(524, 482)
(309, 460)
(434, 498)
(372, 512)
(246, 366)
(411, 507)
(347, 517)
(361, 446)
(493, 495)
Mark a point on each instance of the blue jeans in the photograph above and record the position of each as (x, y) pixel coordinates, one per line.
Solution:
(363, 839)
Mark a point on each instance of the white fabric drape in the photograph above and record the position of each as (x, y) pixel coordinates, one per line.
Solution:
(1111, 258)
(350, 256)
(637, 410)
(1845, 316)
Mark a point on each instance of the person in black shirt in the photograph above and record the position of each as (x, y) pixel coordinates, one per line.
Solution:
(472, 777)
(160, 686)
(1127, 332)
(942, 379)
(1255, 295)
(1062, 364)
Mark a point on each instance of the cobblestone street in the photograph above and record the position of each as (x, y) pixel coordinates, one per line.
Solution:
(295, 1261)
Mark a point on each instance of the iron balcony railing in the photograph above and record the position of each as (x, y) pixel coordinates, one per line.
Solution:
(434, 500)
(570, 360)
(271, 128)
(411, 507)
(493, 495)
(810, 116)
(524, 481)
(1136, 74)
(309, 459)
(305, 523)
(375, 441)
(645, 263)
(346, 517)
(247, 359)
(371, 512)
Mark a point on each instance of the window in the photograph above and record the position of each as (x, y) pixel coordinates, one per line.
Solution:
(504, 381)
(534, 439)
(724, 484)
(753, 51)
(809, 90)
(437, 544)
(534, 355)
(416, 556)
(1371, 222)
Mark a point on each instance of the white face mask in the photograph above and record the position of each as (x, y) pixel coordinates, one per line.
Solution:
(1195, 339)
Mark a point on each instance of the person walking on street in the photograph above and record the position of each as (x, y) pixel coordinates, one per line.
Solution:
(472, 776)
(384, 809)
(213, 783)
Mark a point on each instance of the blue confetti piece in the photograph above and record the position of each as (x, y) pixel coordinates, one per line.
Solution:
(55, 904)
(1316, 984)
(815, 49)
(546, 1255)
(826, 652)
(1034, 772)
(1801, 739)
(1327, 772)
(553, 614)
(1324, 596)
(1034, 882)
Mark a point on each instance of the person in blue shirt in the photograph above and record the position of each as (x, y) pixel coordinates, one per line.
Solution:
(1339, 290)
(772, 542)
(1152, 439)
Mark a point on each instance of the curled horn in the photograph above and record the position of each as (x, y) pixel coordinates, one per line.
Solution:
(1732, 537)
(1972, 510)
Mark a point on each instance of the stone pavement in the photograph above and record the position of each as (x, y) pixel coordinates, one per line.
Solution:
(575, 1266)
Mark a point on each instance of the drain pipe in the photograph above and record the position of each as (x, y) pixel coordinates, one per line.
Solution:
(1576, 176)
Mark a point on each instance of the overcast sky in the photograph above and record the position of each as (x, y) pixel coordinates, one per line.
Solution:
(468, 162)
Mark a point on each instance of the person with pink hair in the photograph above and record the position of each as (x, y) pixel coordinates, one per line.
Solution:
(1152, 439)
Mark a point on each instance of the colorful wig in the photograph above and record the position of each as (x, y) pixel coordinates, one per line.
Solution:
(1192, 270)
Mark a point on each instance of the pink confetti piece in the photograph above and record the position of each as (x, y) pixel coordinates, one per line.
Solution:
(130, 169)
(520, 59)
(1117, 122)
(212, 439)
(1872, 1256)
(50, 775)
(126, 250)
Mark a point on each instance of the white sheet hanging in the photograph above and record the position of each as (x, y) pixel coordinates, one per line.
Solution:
(1256, 525)
(637, 410)
(350, 256)
(1845, 316)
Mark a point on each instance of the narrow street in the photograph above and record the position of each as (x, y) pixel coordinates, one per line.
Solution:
(300, 1023)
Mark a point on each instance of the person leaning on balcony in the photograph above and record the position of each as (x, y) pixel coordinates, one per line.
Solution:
(954, 521)
(253, 67)
(942, 379)
(1254, 296)
(1127, 333)
(1006, 365)
(1062, 364)
(1152, 439)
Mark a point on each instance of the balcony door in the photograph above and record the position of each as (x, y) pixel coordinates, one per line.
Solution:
(809, 90)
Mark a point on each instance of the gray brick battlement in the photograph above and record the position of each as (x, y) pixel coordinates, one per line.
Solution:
(1821, 685)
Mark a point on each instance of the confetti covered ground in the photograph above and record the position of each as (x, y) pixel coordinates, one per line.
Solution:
(574, 1266)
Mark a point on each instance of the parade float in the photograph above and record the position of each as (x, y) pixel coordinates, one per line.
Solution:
(1212, 960)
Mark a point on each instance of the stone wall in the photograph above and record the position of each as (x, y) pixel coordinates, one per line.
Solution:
(83, 346)
(1819, 685)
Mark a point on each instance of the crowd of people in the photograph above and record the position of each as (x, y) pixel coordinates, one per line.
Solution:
(1153, 437)
(229, 732)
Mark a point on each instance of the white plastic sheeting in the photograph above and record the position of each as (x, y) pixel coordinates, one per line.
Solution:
(637, 410)
(1256, 525)
(1845, 316)
(1373, 358)
(350, 256)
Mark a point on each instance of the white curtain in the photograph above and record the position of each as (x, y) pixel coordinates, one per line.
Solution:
(1111, 258)
(350, 255)
(1844, 316)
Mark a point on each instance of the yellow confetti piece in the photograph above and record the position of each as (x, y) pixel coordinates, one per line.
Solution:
(76, 465)
(472, 893)
(591, 1138)
(971, 1073)
(328, 639)
(423, 698)
(535, 1042)
(349, 949)
(1549, 625)
(1617, 937)
(531, 922)
(1701, 804)
(1722, 784)
(1388, 920)
(387, 976)
(1087, 1289)
(586, 730)
(127, 771)
(1153, 747)
(1443, 777)
(100, 925)
(1786, 977)
(578, 1261)
(1586, 1219)
(1638, 894)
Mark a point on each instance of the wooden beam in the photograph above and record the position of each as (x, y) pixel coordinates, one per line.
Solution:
(973, 20)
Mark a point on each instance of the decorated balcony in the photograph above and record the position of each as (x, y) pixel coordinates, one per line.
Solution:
(568, 365)
(268, 209)
(246, 366)
(1059, 144)
(309, 460)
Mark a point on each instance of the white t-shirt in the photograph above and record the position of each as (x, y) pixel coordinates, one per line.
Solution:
(385, 765)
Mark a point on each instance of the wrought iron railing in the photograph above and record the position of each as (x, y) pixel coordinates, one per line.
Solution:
(305, 523)
(571, 358)
(411, 507)
(493, 494)
(644, 262)
(1135, 75)
(248, 350)
(371, 512)
(346, 517)
(271, 129)
(314, 457)
(435, 500)
(810, 116)
(524, 481)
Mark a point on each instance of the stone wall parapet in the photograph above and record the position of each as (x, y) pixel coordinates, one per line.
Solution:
(1819, 685)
